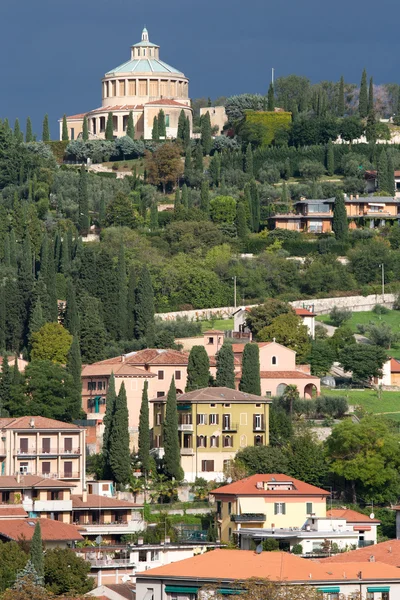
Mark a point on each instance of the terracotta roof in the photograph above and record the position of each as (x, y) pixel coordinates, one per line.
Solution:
(56, 531)
(216, 394)
(233, 565)
(239, 348)
(303, 312)
(31, 481)
(165, 102)
(39, 423)
(121, 369)
(248, 487)
(12, 511)
(385, 552)
(96, 501)
(286, 375)
(351, 516)
(213, 332)
(394, 365)
(149, 356)
(126, 590)
(107, 109)
(72, 117)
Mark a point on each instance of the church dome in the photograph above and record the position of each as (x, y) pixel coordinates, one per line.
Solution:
(151, 66)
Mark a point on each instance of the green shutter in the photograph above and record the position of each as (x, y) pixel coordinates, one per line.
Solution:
(177, 589)
(378, 589)
(329, 590)
(229, 591)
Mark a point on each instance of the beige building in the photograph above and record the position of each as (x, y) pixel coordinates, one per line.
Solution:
(43, 447)
(218, 116)
(143, 85)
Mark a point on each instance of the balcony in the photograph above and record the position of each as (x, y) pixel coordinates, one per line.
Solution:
(61, 475)
(229, 427)
(365, 543)
(45, 451)
(110, 562)
(187, 451)
(249, 518)
(109, 528)
(260, 429)
(52, 505)
(185, 427)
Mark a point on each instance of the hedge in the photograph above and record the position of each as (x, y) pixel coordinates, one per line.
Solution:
(272, 120)
(58, 149)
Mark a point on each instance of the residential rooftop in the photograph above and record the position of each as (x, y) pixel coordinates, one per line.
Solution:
(100, 502)
(385, 552)
(216, 394)
(351, 516)
(272, 484)
(57, 531)
(34, 423)
(31, 481)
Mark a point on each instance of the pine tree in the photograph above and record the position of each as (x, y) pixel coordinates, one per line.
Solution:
(248, 163)
(162, 130)
(250, 379)
(64, 135)
(108, 420)
(390, 175)
(383, 183)
(46, 129)
(241, 222)
(205, 197)
(206, 134)
(155, 135)
(122, 322)
(185, 196)
(225, 367)
(130, 129)
(144, 431)
(198, 371)
(18, 135)
(371, 104)
(144, 308)
(74, 368)
(198, 159)
(119, 454)
(83, 200)
(36, 551)
(154, 216)
(341, 99)
(330, 159)
(109, 134)
(85, 129)
(363, 98)
(71, 319)
(271, 98)
(131, 304)
(339, 222)
(28, 131)
(172, 457)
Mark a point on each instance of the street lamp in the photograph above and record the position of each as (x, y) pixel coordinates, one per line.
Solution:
(382, 266)
(235, 290)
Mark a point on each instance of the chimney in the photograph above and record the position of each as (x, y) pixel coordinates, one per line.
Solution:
(359, 574)
(122, 357)
(351, 196)
(357, 196)
(18, 477)
(372, 558)
(390, 549)
(84, 496)
(32, 423)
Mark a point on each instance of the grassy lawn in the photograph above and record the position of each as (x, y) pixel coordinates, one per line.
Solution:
(127, 165)
(221, 324)
(369, 400)
(392, 318)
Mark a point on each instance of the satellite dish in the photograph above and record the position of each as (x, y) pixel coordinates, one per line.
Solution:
(372, 516)
(98, 540)
(259, 548)
(229, 480)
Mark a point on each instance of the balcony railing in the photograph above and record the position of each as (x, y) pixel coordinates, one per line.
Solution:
(187, 451)
(52, 505)
(38, 451)
(60, 475)
(185, 427)
(110, 562)
(230, 427)
(365, 543)
(249, 518)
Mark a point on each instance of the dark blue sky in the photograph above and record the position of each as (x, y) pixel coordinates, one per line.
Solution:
(53, 53)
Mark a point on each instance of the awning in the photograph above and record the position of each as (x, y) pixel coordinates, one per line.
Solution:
(177, 589)
(362, 528)
(376, 204)
(379, 589)
(329, 590)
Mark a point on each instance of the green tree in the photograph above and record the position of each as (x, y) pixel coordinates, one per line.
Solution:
(130, 129)
(46, 129)
(36, 551)
(12, 560)
(83, 200)
(225, 367)
(341, 98)
(74, 368)
(363, 97)
(52, 342)
(122, 295)
(131, 303)
(198, 159)
(172, 457)
(65, 136)
(263, 459)
(111, 398)
(144, 308)
(342, 337)
(119, 455)
(321, 358)
(185, 196)
(181, 126)
(198, 371)
(154, 216)
(28, 131)
(307, 459)
(371, 104)
(330, 159)
(250, 378)
(340, 225)
(241, 221)
(205, 197)
(391, 185)
(144, 431)
(162, 130)
(71, 318)
(5, 383)
(262, 315)
(18, 135)
(271, 98)
(288, 330)
(66, 573)
(85, 130)
(365, 361)
(214, 169)
(223, 209)
(248, 162)
(206, 139)
(92, 331)
(121, 212)
(109, 133)
(155, 135)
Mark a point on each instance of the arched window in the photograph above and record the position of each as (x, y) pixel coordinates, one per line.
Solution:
(214, 441)
(280, 390)
(228, 441)
(201, 441)
(274, 360)
(258, 440)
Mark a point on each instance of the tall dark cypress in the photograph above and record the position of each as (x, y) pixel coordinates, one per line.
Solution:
(248, 162)
(339, 222)
(144, 308)
(13, 249)
(241, 222)
(255, 205)
(111, 397)
(64, 135)
(28, 130)
(5, 383)
(65, 255)
(93, 334)
(144, 430)
(225, 367)
(341, 99)
(36, 552)
(155, 136)
(2, 319)
(74, 368)
(271, 98)
(330, 159)
(383, 183)
(162, 130)
(181, 126)
(71, 319)
(50, 282)
(205, 197)
(371, 105)
(25, 283)
(206, 133)
(391, 185)
(85, 131)
(172, 456)
(363, 98)
(130, 129)
(198, 159)
(7, 258)
(109, 133)
(198, 371)
(46, 129)
(119, 454)
(131, 301)
(83, 201)
(250, 379)
(122, 322)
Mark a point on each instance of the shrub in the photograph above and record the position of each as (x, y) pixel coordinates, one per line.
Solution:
(297, 549)
(115, 166)
(380, 310)
(270, 122)
(332, 406)
(338, 316)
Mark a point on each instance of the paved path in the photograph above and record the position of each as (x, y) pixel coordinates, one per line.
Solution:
(330, 329)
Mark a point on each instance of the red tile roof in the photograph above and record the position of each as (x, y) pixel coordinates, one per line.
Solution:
(303, 312)
(14, 529)
(216, 394)
(232, 565)
(74, 117)
(385, 552)
(286, 375)
(12, 511)
(248, 487)
(120, 369)
(96, 501)
(38, 423)
(142, 358)
(107, 109)
(126, 590)
(394, 365)
(213, 332)
(31, 481)
(239, 348)
(165, 102)
(351, 516)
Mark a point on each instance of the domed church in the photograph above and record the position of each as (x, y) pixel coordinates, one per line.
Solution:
(144, 85)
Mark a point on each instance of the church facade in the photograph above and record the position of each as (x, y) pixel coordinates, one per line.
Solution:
(143, 85)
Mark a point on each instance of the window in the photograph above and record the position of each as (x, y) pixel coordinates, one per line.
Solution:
(160, 374)
(219, 504)
(228, 441)
(207, 466)
(157, 441)
(23, 445)
(213, 419)
(177, 374)
(23, 467)
(201, 419)
(212, 405)
(67, 469)
(258, 405)
(45, 468)
(101, 385)
(315, 227)
(91, 385)
(46, 445)
(158, 419)
(72, 133)
(268, 394)
(166, 120)
(309, 509)
(202, 441)
(210, 340)
(258, 440)
(227, 405)
(155, 555)
(257, 421)
(142, 555)
(214, 441)
(385, 595)
(68, 445)
(279, 508)
(226, 421)
(104, 487)
(57, 495)
(274, 360)
(227, 465)
(160, 394)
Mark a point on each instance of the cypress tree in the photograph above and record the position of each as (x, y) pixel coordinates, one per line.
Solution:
(108, 421)
(250, 379)
(198, 159)
(248, 201)
(144, 308)
(119, 454)
(241, 222)
(339, 222)
(330, 159)
(85, 129)
(186, 135)
(71, 319)
(2, 321)
(181, 126)
(144, 431)
(155, 136)
(162, 130)
(130, 129)
(131, 304)
(383, 183)
(371, 105)
(122, 322)
(390, 175)
(93, 334)
(225, 367)
(26, 282)
(109, 134)
(341, 101)
(7, 258)
(370, 130)
(198, 371)
(188, 164)
(57, 251)
(271, 98)
(363, 99)
(205, 197)
(154, 216)
(74, 368)
(18, 135)
(50, 282)
(36, 320)
(64, 135)
(214, 169)
(102, 210)
(185, 196)
(36, 551)
(5, 382)
(46, 129)
(190, 198)
(83, 200)
(65, 255)
(28, 131)
(172, 456)
(255, 205)
(13, 249)
(177, 201)
(248, 163)
(206, 137)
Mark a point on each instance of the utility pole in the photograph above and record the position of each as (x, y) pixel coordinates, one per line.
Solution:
(235, 290)
(383, 280)
(272, 75)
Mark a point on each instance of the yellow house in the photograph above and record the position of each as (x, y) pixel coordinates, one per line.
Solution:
(214, 423)
(272, 501)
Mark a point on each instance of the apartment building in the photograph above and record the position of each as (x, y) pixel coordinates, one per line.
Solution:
(214, 423)
(43, 447)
